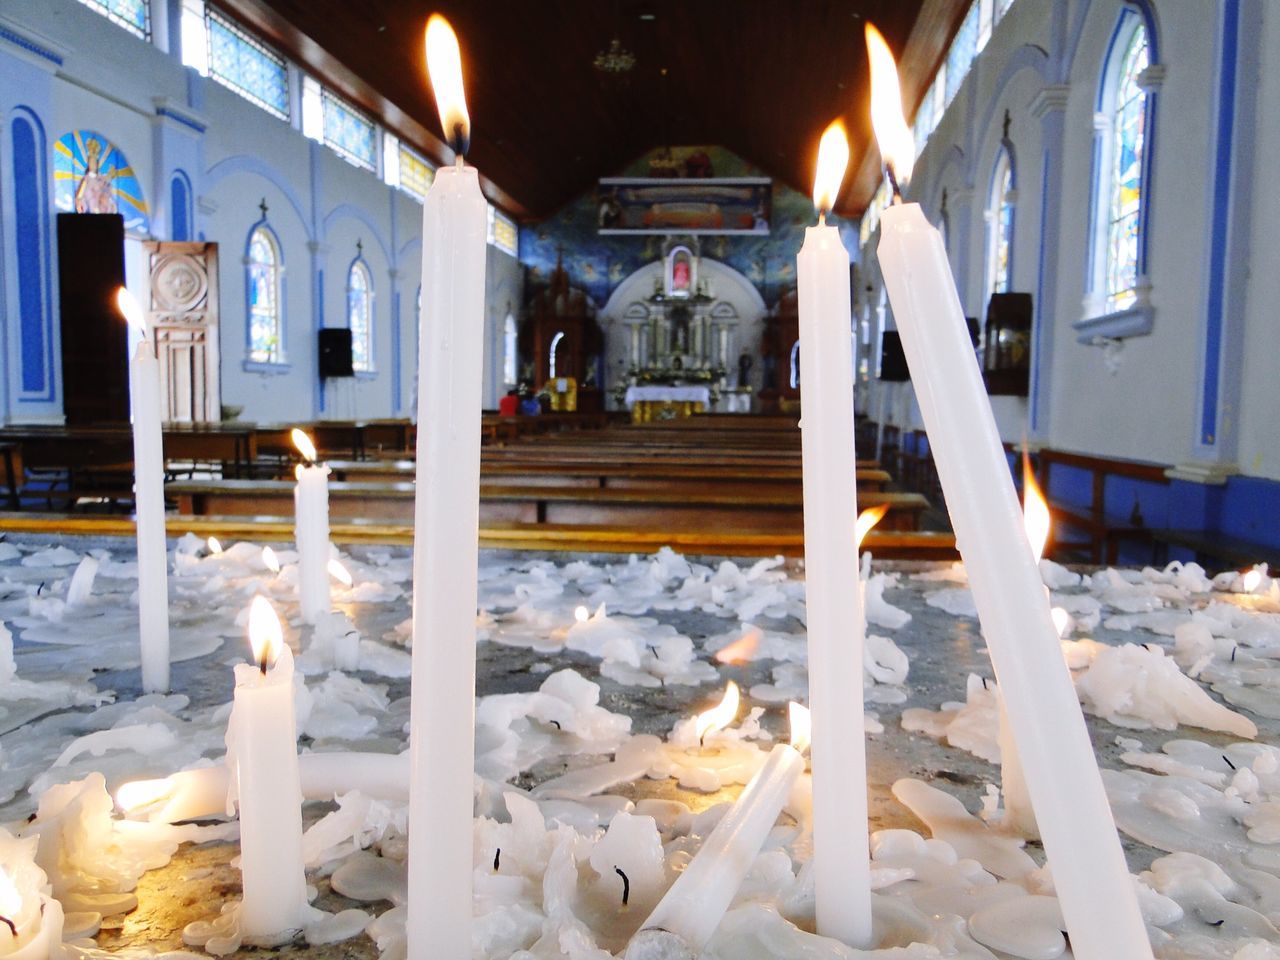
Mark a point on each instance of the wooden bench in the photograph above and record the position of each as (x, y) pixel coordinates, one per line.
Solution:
(1100, 533)
(1213, 551)
(772, 509)
(885, 545)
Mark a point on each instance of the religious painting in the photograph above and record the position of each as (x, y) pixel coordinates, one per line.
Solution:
(647, 205)
(92, 175)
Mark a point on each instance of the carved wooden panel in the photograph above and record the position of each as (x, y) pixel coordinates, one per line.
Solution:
(184, 317)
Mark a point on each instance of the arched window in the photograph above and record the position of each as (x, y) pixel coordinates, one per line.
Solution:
(509, 351)
(266, 310)
(794, 380)
(360, 314)
(1000, 220)
(1123, 173)
(551, 353)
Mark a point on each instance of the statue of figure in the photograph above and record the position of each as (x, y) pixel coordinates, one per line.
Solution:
(94, 194)
(745, 363)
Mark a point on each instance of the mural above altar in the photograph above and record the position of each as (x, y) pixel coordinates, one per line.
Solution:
(711, 205)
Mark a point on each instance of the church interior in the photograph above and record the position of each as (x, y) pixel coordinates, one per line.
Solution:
(531, 414)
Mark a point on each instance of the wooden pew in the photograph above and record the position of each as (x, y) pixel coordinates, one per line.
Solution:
(903, 545)
(663, 509)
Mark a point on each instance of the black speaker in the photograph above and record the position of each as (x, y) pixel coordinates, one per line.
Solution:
(893, 362)
(335, 352)
(95, 338)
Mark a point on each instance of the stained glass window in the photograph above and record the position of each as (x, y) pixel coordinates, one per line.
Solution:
(503, 233)
(265, 310)
(92, 175)
(133, 15)
(360, 315)
(963, 49)
(1001, 213)
(350, 133)
(415, 175)
(1125, 189)
(509, 338)
(241, 63)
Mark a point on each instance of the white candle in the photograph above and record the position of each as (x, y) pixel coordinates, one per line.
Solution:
(833, 604)
(311, 531)
(25, 903)
(148, 494)
(262, 756)
(1089, 871)
(446, 524)
(689, 912)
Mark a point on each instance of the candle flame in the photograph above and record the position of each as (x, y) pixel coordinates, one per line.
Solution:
(270, 560)
(214, 545)
(1035, 511)
(138, 794)
(897, 147)
(833, 160)
(719, 716)
(130, 310)
(801, 726)
(1251, 580)
(10, 898)
(444, 65)
(867, 520)
(339, 572)
(304, 445)
(266, 636)
(742, 649)
(1061, 621)
(581, 614)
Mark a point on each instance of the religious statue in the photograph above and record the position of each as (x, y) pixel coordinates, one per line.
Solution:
(95, 193)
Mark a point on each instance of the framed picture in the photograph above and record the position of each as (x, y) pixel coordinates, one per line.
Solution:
(713, 205)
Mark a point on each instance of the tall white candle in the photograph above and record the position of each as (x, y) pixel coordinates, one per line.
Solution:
(689, 912)
(148, 496)
(833, 604)
(311, 531)
(1089, 871)
(262, 756)
(446, 524)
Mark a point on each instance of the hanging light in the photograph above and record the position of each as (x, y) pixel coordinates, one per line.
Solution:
(616, 60)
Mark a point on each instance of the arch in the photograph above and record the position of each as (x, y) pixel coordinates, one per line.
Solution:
(955, 157)
(1029, 56)
(728, 284)
(551, 354)
(360, 295)
(1001, 214)
(794, 380)
(243, 163)
(92, 175)
(264, 299)
(414, 245)
(34, 277)
(180, 219)
(345, 210)
(510, 351)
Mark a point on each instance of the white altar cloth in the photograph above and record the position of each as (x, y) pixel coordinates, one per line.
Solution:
(670, 394)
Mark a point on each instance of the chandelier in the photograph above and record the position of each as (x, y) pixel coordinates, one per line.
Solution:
(616, 59)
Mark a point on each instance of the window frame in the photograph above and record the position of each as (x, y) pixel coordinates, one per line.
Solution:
(371, 367)
(328, 97)
(103, 9)
(243, 36)
(251, 363)
(1004, 169)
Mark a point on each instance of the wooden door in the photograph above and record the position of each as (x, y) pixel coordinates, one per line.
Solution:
(184, 316)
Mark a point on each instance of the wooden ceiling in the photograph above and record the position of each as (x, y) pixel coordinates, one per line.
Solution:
(760, 77)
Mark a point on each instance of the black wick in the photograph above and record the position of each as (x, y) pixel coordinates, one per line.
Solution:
(984, 683)
(1233, 654)
(497, 859)
(1227, 761)
(460, 141)
(556, 724)
(40, 588)
(626, 885)
(262, 664)
(13, 927)
(893, 183)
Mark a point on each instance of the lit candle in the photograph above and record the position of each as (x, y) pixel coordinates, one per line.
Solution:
(689, 912)
(262, 757)
(1089, 871)
(148, 499)
(31, 921)
(833, 602)
(311, 530)
(446, 525)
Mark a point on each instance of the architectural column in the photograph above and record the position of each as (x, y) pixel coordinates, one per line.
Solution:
(1231, 162)
(1049, 107)
(960, 220)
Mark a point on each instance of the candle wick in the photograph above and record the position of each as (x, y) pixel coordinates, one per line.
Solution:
(13, 927)
(40, 588)
(1233, 654)
(1228, 762)
(893, 183)
(459, 143)
(262, 664)
(822, 218)
(556, 724)
(626, 885)
(497, 859)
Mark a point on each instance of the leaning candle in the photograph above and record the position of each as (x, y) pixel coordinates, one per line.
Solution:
(689, 912)
(446, 525)
(31, 921)
(148, 502)
(833, 602)
(262, 754)
(311, 530)
(1093, 884)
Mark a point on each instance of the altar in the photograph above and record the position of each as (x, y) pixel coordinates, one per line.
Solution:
(666, 402)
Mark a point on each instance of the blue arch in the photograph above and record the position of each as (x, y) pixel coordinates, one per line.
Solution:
(243, 163)
(356, 213)
(955, 157)
(406, 250)
(1027, 57)
(1006, 152)
(31, 228)
(180, 219)
(262, 223)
